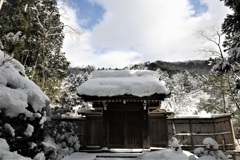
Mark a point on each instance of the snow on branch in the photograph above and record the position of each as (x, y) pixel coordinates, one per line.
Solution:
(17, 91)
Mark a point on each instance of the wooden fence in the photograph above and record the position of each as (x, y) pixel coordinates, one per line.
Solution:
(189, 130)
(192, 130)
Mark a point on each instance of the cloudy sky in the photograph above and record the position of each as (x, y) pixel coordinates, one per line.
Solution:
(117, 33)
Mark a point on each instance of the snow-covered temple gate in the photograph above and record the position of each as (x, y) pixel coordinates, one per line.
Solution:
(127, 114)
(126, 110)
(125, 123)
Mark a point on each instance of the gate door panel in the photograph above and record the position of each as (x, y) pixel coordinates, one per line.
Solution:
(125, 129)
(116, 131)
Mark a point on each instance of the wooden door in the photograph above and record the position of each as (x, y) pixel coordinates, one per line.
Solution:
(116, 131)
(133, 129)
(158, 131)
(125, 129)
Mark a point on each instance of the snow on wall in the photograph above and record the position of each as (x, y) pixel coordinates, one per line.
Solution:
(202, 115)
(122, 82)
(17, 92)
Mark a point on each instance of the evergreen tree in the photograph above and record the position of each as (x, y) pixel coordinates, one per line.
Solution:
(231, 29)
(231, 25)
(222, 96)
(38, 48)
(68, 102)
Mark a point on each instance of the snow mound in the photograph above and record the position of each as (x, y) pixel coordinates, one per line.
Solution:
(210, 143)
(4, 145)
(17, 92)
(122, 82)
(166, 154)
(199, 151)
(7, 155)
(207, 158)
(40, 156)
(175, 144)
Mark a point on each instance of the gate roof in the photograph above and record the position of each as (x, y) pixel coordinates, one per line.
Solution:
(123, 83)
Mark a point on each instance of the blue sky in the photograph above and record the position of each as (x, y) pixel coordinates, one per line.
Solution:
(116, 33)
(91, 12)
(198, 7)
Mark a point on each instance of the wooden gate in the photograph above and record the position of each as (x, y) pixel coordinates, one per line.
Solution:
(125, 129)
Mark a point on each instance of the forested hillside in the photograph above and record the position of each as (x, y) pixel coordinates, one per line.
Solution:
(200, 67)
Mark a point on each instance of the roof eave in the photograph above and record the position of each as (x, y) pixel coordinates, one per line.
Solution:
(88, 98)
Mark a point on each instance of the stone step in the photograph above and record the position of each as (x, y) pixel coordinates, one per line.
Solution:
(116, 157)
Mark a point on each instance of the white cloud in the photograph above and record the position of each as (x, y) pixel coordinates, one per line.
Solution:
(139, 30)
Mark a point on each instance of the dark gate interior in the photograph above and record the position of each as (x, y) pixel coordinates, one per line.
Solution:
(125, 129)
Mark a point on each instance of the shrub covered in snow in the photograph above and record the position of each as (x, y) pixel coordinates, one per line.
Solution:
(175, 152)
(61, 140)
(211, 151)
(5, 154)
(174, 143)
(23, 108)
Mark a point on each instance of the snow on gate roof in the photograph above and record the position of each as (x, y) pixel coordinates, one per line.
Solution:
(140, 83)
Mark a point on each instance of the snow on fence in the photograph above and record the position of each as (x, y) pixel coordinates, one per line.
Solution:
(192, 130)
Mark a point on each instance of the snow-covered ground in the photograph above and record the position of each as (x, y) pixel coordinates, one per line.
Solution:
(166, 154)
(210, 152)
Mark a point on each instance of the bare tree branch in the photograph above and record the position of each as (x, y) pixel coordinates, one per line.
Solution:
(214, 37)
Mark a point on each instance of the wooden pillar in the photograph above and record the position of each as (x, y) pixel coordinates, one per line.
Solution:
(145, 131)
(105, 128)
(191, 131)
(232, 133)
